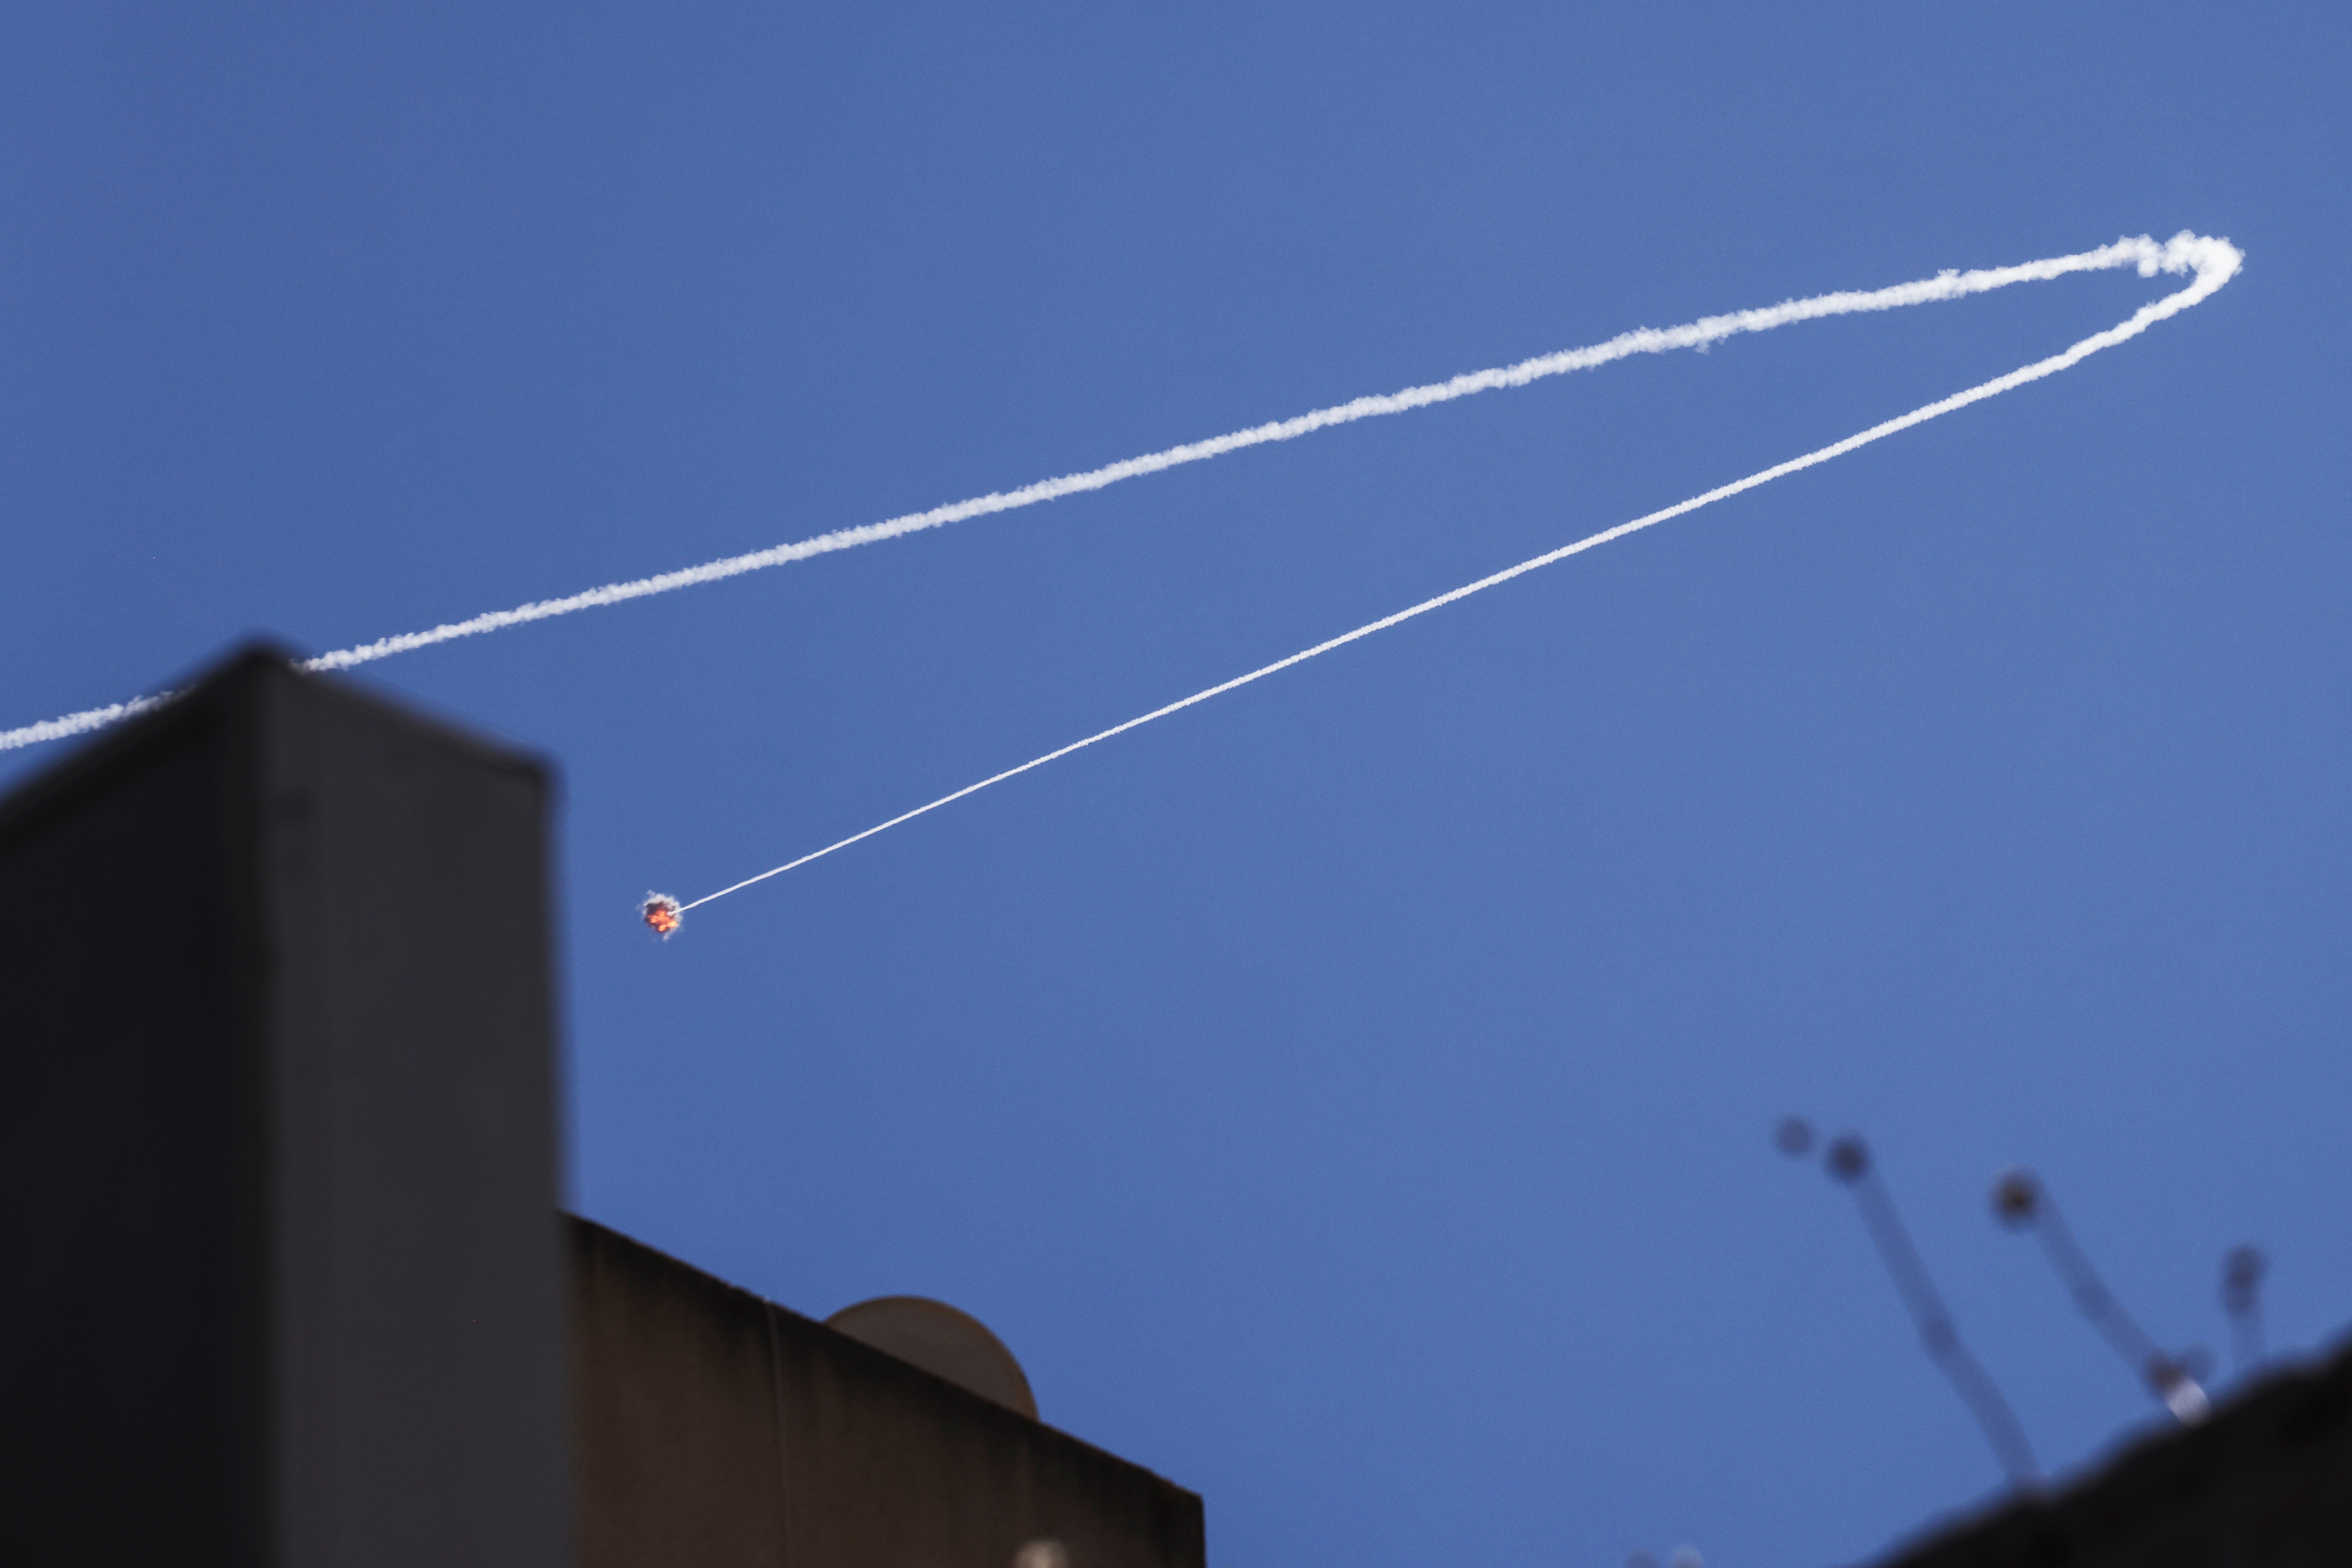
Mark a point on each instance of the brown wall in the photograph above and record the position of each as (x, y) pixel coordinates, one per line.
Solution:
(718, 1430)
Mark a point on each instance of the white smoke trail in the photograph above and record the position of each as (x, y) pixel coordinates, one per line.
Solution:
(2214, 261)
(2142, 252)
(79, 723)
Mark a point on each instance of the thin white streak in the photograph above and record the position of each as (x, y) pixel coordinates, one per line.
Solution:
(2141, 252)
(2215, 262)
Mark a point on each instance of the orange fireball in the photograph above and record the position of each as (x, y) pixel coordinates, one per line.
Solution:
(662, 914)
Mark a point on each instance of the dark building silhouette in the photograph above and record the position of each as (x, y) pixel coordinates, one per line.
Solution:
(287, 1285)
(284, 1286)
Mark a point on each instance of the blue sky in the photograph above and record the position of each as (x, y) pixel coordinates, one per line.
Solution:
(1350, 1098)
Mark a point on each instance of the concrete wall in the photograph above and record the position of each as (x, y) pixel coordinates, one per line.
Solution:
(718, 1430)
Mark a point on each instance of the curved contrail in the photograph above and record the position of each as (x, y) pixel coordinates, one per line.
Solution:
(1707, 329)
(2214, 261)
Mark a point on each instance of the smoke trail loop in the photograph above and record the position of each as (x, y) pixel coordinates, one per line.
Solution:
(2184, 251)
(2214, 262)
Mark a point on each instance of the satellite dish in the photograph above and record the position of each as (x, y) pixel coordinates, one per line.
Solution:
(943, 1341)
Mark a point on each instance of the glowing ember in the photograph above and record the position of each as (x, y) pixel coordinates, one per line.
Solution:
(662, 914)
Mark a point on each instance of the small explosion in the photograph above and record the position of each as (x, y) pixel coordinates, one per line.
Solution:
(662, 912)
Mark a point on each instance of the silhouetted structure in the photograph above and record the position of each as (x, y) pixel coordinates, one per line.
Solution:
(2266, 1482)
(288, 1284)
(722, 1431)
(278, 1127)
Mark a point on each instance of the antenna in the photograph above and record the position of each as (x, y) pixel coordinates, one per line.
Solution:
(2022, 1202)
(1849, 1162)
(2241, 1297)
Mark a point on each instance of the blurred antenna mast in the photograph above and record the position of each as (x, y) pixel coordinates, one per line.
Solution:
(1849, 1162)
(2241, 1297)
(2021, 1203)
